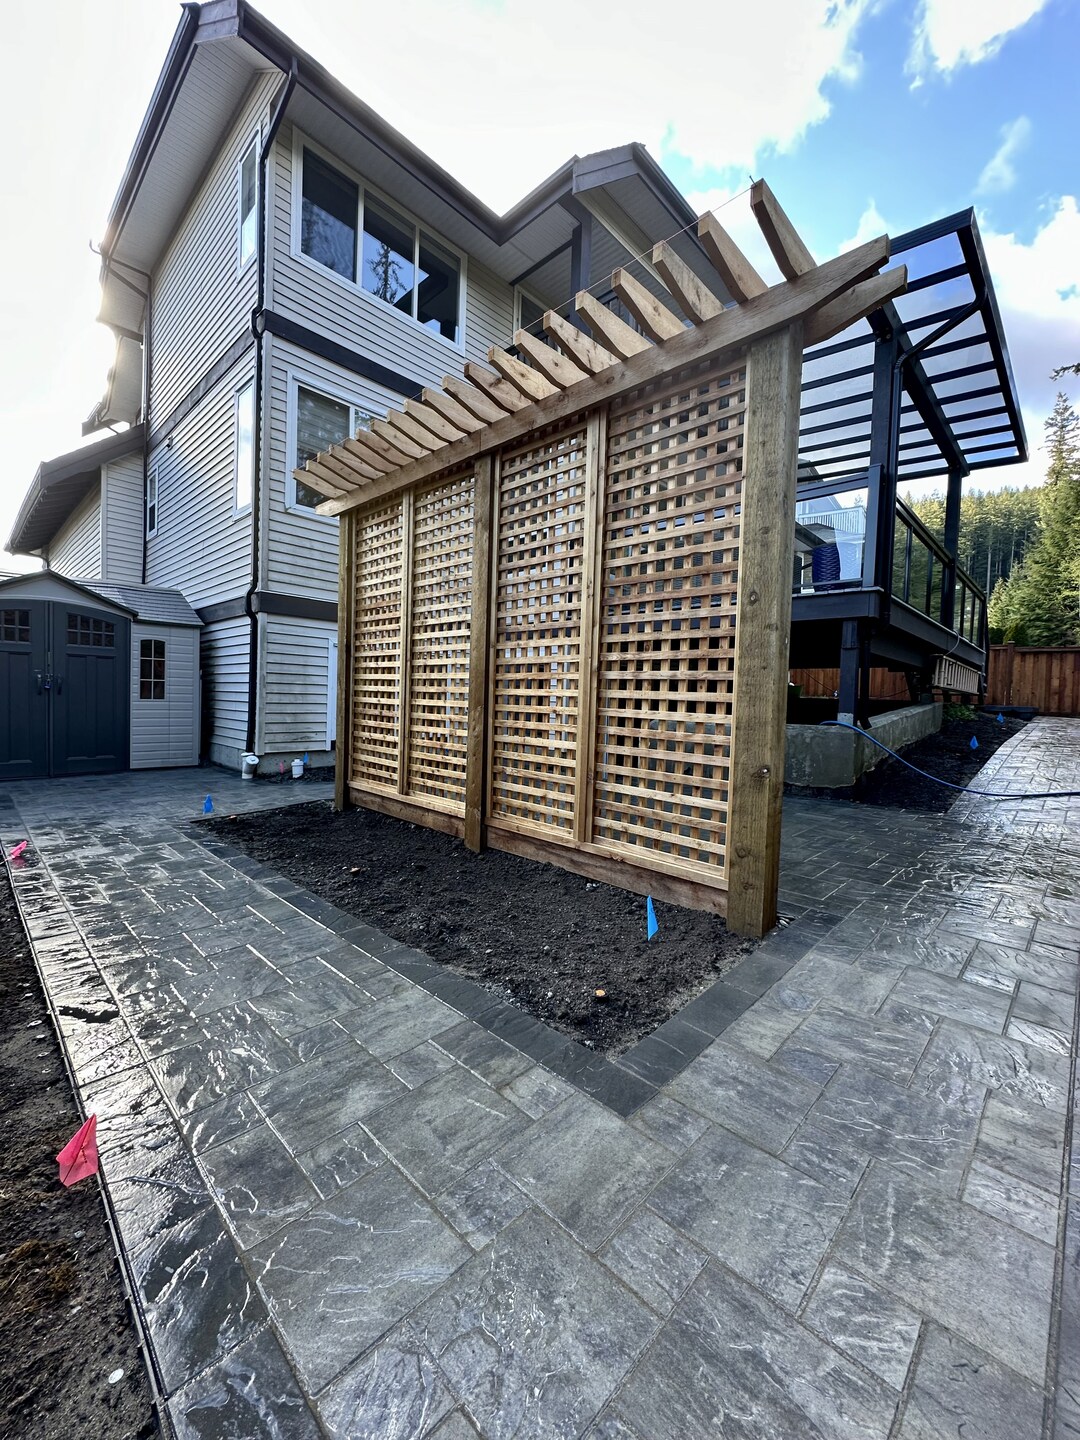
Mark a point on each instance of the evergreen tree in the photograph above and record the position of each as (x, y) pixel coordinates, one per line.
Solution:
(1039, 603)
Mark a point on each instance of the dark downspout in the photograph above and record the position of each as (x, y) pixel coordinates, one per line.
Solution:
(284, 95)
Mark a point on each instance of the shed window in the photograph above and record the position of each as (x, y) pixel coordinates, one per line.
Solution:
(15, 626)
(151, 669)
(85, 630)
(249, 187)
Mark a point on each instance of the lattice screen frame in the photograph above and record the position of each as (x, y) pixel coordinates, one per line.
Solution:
(735, 870)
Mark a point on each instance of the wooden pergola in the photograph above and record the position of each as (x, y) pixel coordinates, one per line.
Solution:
(565, 582)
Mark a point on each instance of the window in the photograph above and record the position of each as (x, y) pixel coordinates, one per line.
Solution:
(321, 421)
(245, 448)
(85, 630)
(249, 194)
(328, 218)
(151, 669)
(399, 262)
(151, 504)
(530, 314)
(15, 626)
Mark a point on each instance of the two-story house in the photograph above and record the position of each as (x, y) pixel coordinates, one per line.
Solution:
(278, 265)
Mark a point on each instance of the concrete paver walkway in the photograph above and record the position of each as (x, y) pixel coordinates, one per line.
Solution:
(350, 1209)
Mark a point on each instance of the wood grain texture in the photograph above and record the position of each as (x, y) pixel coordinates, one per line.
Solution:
(347, 559)
(788, 250)
(774, 374)
(588, 353)
(479, 646)
(695, 298)
(741, 279)
(651, 314)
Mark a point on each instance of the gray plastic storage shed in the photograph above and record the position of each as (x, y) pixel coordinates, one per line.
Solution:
(95, 677)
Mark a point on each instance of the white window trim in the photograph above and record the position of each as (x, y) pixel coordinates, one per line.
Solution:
(237, 508)
(295, 380)
(300, 142)
(241, 263)
(519, 291)
(331, 690)
(151, 485)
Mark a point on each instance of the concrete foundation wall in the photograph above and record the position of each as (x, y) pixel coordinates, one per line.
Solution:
(832, 758)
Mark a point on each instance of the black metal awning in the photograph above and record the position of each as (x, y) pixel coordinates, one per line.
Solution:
(960, 409)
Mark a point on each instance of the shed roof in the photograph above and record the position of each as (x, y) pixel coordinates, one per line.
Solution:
(150, 603)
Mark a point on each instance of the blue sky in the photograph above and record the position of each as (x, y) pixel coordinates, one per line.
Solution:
(863, 115)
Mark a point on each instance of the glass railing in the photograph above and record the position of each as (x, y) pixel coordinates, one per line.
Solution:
(830, 541)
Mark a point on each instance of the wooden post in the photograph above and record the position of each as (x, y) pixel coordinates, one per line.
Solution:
(588, 641)
(405, 657)
(763, 628)
(480, 621)
(347, 562)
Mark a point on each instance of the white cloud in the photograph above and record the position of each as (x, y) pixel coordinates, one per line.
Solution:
(1035, 284)
(952, 33)
(502, 94)
(871, 224)
(999, 172)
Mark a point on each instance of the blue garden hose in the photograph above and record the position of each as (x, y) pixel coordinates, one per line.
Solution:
(986, 794)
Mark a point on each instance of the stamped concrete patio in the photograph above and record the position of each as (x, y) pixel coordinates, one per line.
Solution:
(359, 1197)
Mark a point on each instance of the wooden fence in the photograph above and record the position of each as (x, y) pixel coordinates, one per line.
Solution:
(884, 684)
(566, 588)
(1049, 679)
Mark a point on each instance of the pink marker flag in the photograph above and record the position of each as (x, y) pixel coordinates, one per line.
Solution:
(79, 1157)
(17, 850)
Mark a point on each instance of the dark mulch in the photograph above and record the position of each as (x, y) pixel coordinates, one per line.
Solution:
(64, 1322)
(545, 938)
(947, 755)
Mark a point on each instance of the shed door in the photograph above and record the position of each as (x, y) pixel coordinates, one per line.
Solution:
(89, 694)
(23, 697)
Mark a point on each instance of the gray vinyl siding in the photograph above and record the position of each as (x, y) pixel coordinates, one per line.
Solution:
(314, 296)
(224, 659)
(490, 313)
(201, 300)
(166, 732)
(295, 687)
(202, 547)
(302, 547)
(122, 520)
(75, 549)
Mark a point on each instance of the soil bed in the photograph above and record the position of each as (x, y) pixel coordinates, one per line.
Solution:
(947, 755)
(536, 934)
(64, 1322)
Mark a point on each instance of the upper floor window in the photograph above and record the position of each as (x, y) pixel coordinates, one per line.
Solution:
(530, 314)
(151, 503)
(398, 262)
(249, 195)
(245, 446)
(321, 421)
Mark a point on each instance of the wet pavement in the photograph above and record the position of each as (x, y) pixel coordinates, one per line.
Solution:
(359, 1198)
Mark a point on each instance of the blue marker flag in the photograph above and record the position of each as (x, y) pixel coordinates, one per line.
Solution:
(1001, 718)
(306, 760)
(974, 743)
(208, 806)
(651, 914)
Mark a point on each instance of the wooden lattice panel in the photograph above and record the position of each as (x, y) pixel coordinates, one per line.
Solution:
(667, 618)
(439, 646)
(541, 513)
(377, 656)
